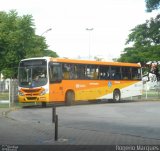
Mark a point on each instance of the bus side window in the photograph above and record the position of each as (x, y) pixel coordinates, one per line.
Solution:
(95, 72)
(72, 71)
(115, 73)
(66, 71)
(69, 71)
(126, 73)
(55, 73)
(80, 72)
(92, 72)
(104, 72)
(136, 74)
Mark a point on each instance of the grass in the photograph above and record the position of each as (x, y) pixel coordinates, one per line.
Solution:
(4, 96)
(4, 105)
(152, 94)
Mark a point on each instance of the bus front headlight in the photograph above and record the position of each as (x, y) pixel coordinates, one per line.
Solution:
(21, 93)
(43, 92)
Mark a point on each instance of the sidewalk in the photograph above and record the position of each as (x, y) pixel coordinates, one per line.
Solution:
(5, 111)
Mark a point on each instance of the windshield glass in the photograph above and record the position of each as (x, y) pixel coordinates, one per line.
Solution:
(32, 76)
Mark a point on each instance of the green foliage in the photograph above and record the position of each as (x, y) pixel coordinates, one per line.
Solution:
(146, 42)
(141, 54)
(18, 41)
(50, 53)
(145, 39)
(152, 5)
(146, 34)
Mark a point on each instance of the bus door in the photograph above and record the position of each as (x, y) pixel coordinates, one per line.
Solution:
(55, 78)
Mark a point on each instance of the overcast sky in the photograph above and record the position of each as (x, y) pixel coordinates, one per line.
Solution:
(111, 21)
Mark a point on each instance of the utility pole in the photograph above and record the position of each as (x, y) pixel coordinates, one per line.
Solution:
(46, 31)
(89, 31)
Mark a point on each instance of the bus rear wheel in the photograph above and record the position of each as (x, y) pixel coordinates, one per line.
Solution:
(116, 96)
(69, 98)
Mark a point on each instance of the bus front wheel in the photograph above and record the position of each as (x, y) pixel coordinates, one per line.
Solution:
(44, 104)
(70, 98)
(116, 96)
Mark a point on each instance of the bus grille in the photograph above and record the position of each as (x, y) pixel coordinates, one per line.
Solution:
(31, 98)
(31, 90)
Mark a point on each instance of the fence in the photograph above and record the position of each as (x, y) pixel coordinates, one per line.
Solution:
(8, 91)
(151, 90)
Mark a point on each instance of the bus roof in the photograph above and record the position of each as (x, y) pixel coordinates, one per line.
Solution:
(65, 60)
(92, 62)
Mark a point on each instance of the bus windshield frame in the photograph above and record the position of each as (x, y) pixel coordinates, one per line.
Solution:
(33, 73)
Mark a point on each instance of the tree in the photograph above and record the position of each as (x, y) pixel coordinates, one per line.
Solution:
(145, 39)
(146, 42)
(152, 5)
(146, 34)
(141, 54)
(18, 41)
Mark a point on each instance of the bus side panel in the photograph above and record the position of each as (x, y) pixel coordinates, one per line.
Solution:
(93, 89)
(127, 88)
(83, 89)
(56, 92)
(132, 90)
(90, 89)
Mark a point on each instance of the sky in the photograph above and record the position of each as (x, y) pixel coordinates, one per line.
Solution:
(111, 21)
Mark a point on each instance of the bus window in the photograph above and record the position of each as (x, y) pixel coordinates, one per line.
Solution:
(55, 73)
(136, 73)
(126, 73)
(80, 70)
(91, 72)
(115, 73)
(104, 72)
(73, 71)
(66, 71)
(69, 71)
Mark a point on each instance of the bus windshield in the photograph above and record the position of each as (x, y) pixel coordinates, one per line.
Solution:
(32, 76)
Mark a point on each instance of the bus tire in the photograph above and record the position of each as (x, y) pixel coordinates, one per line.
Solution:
(69, 98)
(116, 96)
(44, 104)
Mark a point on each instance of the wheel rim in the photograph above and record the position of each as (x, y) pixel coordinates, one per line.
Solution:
(70, 98)
(116, 96)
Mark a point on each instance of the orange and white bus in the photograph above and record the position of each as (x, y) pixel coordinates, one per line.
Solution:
(49, 79)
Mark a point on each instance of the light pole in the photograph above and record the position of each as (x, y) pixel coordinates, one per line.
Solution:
(89, 31)
(46, 31)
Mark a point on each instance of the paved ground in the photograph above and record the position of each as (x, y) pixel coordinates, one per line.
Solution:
(95, 124)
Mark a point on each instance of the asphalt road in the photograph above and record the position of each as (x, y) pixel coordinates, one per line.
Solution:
(107, 123)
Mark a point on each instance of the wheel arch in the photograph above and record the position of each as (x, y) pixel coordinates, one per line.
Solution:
(69, 90)
(67, 100)
(118, 90)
